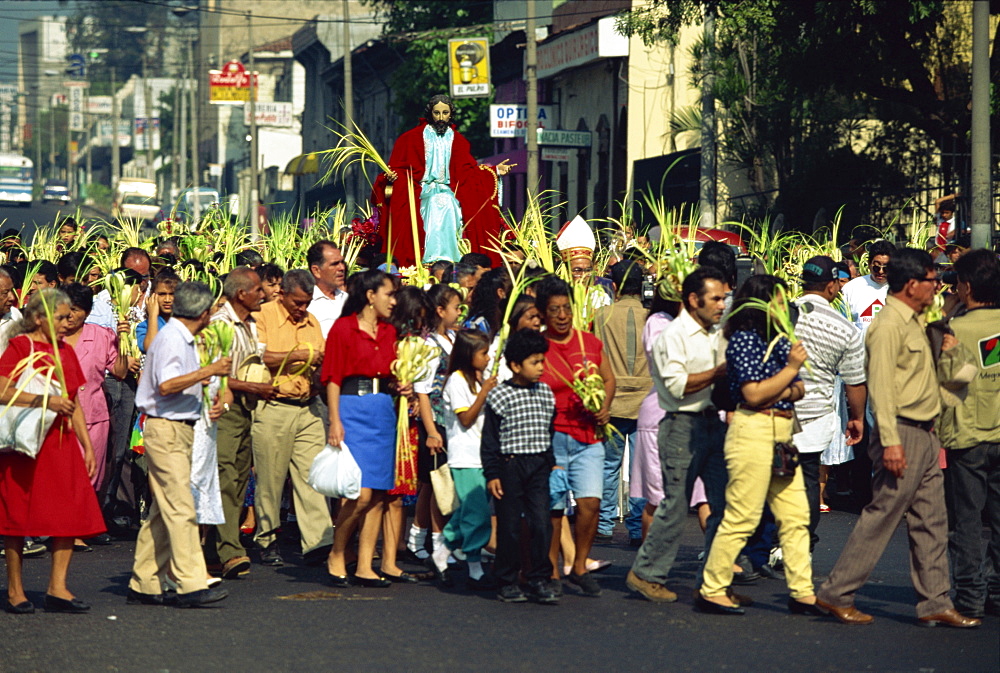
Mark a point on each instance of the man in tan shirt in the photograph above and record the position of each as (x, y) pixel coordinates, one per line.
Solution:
(288, 433)
(905, 399)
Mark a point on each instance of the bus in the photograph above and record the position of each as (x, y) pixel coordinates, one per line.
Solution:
(17, 176)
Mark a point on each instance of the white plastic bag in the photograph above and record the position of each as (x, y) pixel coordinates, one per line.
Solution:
(23, 429)
(335, 473)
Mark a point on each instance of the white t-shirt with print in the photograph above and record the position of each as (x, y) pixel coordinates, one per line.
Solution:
(463, 442)
(444, 345)
(865, 298)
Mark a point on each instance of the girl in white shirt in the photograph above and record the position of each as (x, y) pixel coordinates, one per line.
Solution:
(464, 396)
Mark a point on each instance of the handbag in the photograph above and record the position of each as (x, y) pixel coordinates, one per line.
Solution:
(785, 458)
(23, 429)
(444, 487)
(335, 473)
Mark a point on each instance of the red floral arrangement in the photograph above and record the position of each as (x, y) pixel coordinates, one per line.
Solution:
(367, 230)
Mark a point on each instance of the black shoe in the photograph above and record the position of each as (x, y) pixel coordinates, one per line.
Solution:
(541, 592)
(271, 556)
(317, 556)
(745, 577)
(410, 557)
(511, 593)
(992, 606)
(604, 537)
(556, 586)
(768, 571)
(402, 578)
(371, 582)
(83, 548)
(446, 578)
(102, 540)
(136, 598)
(339, 581)
(588, 585)
(800, 608)
(635, 542)
(707, 606)
(200, 599)
(73, 606)
(484, 583)
(25, 608)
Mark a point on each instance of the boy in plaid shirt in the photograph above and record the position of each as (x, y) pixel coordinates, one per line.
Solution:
(517, 458)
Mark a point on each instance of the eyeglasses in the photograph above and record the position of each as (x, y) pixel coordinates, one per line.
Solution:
(557, 310)
(879, 268)
(935, 280)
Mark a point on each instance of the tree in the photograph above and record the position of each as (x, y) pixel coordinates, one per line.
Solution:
(414, 29)
(800, 81)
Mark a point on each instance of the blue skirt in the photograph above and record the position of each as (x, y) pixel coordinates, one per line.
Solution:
(370, 433)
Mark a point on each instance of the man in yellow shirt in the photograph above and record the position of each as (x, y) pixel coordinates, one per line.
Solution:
(287, 431)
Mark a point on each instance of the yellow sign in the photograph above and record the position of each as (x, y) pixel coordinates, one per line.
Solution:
(469, 67)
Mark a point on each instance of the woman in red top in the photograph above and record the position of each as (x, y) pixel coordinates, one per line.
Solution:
(50, 494)
(360, 349)
(579, 452)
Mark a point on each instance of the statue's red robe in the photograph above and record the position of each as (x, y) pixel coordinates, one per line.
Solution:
(475, 187)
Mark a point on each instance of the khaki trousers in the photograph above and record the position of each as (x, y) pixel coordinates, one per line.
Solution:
(235, 457)
(919, 497)
(749, 451)
(168, 541)
(286, 438)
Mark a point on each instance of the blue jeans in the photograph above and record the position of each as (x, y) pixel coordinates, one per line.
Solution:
(614, 453)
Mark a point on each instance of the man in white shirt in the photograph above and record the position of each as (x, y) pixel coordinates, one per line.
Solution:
(326, 263)
(170, 394)
(688, 358)
(865, 295)
(8, 312)
(836, 349)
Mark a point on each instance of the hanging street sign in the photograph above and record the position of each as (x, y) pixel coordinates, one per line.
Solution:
(231, 85)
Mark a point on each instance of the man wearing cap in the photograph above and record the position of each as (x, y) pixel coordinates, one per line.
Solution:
(836, 348)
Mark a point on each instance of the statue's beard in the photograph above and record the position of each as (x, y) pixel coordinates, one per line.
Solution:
(440, 127)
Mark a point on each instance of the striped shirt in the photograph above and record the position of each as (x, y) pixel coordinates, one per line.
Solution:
(835, 347)
(245, 341)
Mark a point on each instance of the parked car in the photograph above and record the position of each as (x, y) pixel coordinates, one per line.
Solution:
(55, 190)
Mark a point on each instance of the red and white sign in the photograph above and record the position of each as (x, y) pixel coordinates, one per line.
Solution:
(579, 47)
(270, 114)
(231, 85)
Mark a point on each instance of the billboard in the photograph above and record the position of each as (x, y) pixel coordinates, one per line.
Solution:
(469, 67)
(231, 85)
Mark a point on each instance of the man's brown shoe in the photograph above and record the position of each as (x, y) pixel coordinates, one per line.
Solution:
(848, 615)
(951, 618)
(237, 566)
(651, 591)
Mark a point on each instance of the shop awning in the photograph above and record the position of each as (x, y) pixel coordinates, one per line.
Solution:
(304, 164)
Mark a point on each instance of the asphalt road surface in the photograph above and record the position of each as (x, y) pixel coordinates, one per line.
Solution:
(287, 619)
(25, 219)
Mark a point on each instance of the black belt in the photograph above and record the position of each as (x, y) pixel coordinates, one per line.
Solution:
(710, 412)
(362, 385)
(172, 420)
(294, 401)
(770, 411)
(926, 426)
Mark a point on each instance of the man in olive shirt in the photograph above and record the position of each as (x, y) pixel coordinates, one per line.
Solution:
(288, 432)
(971, 433)
(905, 399)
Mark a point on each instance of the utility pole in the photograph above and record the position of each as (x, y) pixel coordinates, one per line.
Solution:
(182, 181)
(195, 168)
(706, 188)
(147, 134)
(254, 194)
(53, 171)
(981, 210)
(115, 150)
(174, 139)
(348, 107)
(531, 76)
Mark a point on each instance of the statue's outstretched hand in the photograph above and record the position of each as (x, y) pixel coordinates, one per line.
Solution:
(503, 168)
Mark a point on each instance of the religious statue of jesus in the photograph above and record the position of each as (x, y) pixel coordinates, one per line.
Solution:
(454, 196)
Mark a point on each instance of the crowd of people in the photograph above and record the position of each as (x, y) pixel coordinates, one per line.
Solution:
(738, 401)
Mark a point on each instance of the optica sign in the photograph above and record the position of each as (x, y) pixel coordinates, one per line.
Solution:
(510, 120)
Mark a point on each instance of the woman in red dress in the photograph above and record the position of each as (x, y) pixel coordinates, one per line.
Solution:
(50, 494)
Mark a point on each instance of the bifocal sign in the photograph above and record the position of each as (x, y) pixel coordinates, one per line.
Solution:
(511, 120)
(231, 85)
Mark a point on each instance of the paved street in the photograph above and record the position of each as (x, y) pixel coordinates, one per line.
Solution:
(25, 219)
(286, 620)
